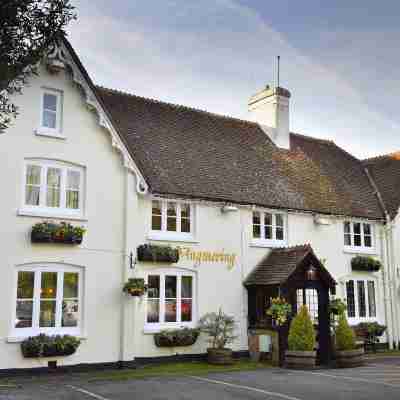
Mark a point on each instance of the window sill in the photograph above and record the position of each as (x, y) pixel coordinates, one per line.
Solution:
(359, 250)
(48, 133)
(150, 329)
(45, 214)
(267, 243)
(171, 237)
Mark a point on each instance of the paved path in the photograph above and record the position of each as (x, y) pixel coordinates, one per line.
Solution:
(379, 379)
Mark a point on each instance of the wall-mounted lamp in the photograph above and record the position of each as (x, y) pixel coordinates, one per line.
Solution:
(311, 273)
(228, 208)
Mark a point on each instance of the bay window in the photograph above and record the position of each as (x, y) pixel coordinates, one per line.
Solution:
(358, 236)
(172, 219)
(361, 299)
(48, 300)
(170, 299)
(269, 228)
(53, 188)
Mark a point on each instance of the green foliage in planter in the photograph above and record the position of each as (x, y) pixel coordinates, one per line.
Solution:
(49, 346)
(220, 328)
(176, 337)
(279, 310)
(153, 253)
(371, 331)
(301, 332)
(62, 232)
(135, 287)
(345, 337)
(337, 307)
(362, 263)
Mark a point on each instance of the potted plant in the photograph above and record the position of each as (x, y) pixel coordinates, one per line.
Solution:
(135, 287)
(220, 328)
(366, 264)
(153, 253)
(370, 331)
(347, 353)
(176, 337)
(49, 346)
(48, 232)
(279, 310)
(301, 341)
(41, 233)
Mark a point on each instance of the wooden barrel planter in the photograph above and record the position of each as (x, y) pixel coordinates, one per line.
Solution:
(300, 359)
(219, 356)
(350, 358)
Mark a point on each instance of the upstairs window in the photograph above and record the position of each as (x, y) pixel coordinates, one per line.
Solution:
(51, 112)
(361, 299)
(172, 217)
(358, 235)
(53, 187)
(269, 227)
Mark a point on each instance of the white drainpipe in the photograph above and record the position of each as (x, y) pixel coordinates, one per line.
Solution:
(394, 286)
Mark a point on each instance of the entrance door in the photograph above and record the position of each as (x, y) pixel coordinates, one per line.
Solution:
(317, 305)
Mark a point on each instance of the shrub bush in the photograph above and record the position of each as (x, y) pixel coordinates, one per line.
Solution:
(362, 263)
(345, 337)
(49, 346)
(153, 253)
(301, 332)
(176, 337)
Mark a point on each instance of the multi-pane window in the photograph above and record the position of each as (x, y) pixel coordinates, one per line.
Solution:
(358, 234)
(53, 186)
(361, 299)
(51, 112)
(309, 298)
(48, 300)
(268, 226)
(170, 298)
(172, 216)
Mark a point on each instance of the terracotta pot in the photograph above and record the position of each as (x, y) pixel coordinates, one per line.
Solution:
(349, 358)
(300, 359)
(219, 356)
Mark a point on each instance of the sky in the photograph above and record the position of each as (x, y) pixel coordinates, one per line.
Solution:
(339, 59)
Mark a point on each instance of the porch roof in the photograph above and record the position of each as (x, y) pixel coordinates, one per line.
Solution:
(278, 266)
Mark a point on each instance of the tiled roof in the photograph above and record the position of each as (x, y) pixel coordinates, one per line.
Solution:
(277, 267)
(185, 152)
(385, 171)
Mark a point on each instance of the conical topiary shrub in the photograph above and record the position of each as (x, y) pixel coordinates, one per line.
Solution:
(347, 354)
(301, 333)
(301, 342)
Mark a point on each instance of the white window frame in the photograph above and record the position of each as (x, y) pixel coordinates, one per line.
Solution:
(262, 241)
(150, 327)
(357, 319)
(44, 130)
(38, 269)
(359, 249)
(42, 209)
(177, 236)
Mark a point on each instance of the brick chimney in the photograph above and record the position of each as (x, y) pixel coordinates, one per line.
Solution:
(270, 109)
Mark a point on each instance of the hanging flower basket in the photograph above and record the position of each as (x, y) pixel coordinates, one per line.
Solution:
(135, 287)
(49, 232)
(49, 346)
(279, 310)
(152, 253)
(365, 264)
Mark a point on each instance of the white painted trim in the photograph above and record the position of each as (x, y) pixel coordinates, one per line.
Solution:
(359, 249)
(40, 132)
(61, 54)
(261, 241)
(267, 243)
(41, 214)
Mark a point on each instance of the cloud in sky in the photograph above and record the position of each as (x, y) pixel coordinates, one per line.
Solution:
(214, 54)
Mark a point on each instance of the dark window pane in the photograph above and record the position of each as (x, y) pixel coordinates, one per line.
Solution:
(268, 232)
(367, 229)
(171, 224)
(50, 102)
(24, 314)
(170, 286)
(153, 290)
(256, 231)
(153, 310)
(279, 233)
(170, 310)
(186, 287)
(279, 220)
(185, 210)
(357, 228)
(47, 314)
(362, 312)
(70, 314)
(156, 207)
(186, 310)
(156, 223)
(347, 227)
(267, 219)
(347, 239)
(357, 240)
(256, 218)
(171, 209)
(351, 308)
(49, 285)
(26, 282)
(367, 241)
(371, 299)
(185, 225)
(70, 285)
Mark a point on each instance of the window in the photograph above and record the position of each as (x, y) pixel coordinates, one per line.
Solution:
(361, 299)
(51, 112)
(308, 297)
(170, 299)
(358, 235)
(268, 227)
(48, 300)
(172, 217)
(53, 188)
